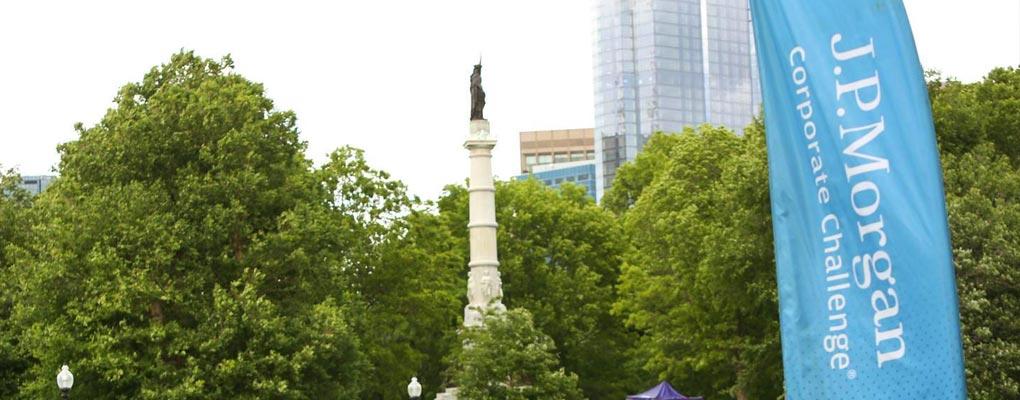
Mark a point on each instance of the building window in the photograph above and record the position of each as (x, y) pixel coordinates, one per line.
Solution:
(561, 158)
(530, 159)
(590, 155)
(544, 158)
(576, 156)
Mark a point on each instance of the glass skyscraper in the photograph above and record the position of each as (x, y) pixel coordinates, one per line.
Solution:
(662, 65)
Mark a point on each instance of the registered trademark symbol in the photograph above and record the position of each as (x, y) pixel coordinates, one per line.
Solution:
(851, 374)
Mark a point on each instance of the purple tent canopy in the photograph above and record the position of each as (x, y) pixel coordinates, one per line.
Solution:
(662, 391)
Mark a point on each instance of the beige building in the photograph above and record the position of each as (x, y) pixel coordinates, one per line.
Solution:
(556, 147)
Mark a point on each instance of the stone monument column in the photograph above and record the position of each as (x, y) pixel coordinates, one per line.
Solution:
(485, 289)
(484, 285)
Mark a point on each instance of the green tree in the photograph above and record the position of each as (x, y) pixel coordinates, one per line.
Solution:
(415, 305)
(970, 115)
(511, 359)
(190, 250)
(631, 180)
(977, 126)
(983, 196)
(14, 225)
(559, 258)
(406, 269)
(699, 277)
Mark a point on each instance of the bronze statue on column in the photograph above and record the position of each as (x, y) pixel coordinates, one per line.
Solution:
(477, 94)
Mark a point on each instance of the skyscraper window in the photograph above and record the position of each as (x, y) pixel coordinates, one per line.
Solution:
(662, 65)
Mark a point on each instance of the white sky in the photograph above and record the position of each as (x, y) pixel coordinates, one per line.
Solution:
(390, 77)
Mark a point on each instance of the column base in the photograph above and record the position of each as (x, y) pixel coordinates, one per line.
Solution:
(449, 394)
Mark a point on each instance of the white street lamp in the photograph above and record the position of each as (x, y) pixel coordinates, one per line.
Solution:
(64, 381)
(414, 389)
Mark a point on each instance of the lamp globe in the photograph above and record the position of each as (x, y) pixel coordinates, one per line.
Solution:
(65, 380)
(414, 389)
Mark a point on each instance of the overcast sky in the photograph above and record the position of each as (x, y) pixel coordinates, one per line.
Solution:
(390, 77)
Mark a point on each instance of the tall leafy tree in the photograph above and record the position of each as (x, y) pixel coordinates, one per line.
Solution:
(699, 277)
(406, 270)
(983, 196)
(511, 359)
(970, 115)
(189, 250)
(14, 225)
(559, 258)
(978, 126)
(413, 302)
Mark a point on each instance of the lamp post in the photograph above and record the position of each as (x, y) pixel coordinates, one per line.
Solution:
(64, 381)
(414, 389)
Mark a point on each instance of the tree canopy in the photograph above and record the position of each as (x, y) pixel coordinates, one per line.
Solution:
(977, 126)
(699, 275)
(189, 250)
(510, 359)
(413, 301)
(14, 226)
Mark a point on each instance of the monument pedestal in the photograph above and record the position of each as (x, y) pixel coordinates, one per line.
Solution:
(449, 394)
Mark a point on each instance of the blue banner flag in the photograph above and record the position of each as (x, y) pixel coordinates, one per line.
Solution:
(867, 290)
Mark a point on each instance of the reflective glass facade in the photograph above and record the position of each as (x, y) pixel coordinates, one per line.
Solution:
(662, 65)
(36, 184)
(580, 173)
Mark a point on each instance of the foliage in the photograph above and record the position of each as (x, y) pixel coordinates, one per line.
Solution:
(405, 270)
(559, 258)
(983, 196)
(699, 278)
(14, 224)
(632, 178)
(412, 304)
(190, 251)
(977, 126)
(970, 115)
(511, 359)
